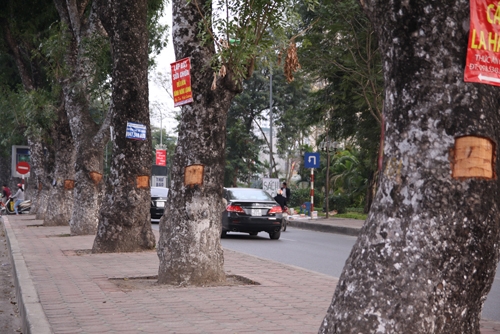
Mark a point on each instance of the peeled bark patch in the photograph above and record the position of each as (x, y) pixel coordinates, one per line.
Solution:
(474, 157)
(96, 177)
(193, 175)
(143, 181)
(69, 184)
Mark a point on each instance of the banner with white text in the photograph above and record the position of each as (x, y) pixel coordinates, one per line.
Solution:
(483, 51)
(181, 82)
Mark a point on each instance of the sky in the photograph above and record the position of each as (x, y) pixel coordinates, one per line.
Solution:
(158, 97)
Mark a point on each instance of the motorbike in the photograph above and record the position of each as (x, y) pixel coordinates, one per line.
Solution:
(8, 207)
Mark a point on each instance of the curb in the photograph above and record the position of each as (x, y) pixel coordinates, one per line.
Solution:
(352, 231)
(33, 318)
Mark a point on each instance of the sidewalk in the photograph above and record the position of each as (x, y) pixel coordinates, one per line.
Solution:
(330, 224)
(64, 289)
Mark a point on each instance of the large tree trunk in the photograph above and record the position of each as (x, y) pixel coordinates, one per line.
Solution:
(60, 200)
(53, 204)
(90, 138)
(189, 247)
(427, 254)
(124, 221)
(42, 164)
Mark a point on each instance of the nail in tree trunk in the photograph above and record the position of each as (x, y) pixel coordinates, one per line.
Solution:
(427, 255)
(189, 247)
(124, 221)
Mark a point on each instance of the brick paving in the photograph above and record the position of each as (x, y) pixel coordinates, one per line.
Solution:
(77, 296)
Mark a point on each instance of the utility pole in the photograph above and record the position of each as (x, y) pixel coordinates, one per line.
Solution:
(270, 122)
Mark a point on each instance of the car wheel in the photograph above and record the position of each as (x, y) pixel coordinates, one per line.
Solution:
(223, 234)
(285, 223)
(253, 233)
(274, 235)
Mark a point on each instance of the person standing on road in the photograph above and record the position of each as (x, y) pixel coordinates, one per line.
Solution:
(286, 193)
(19, 196)
(6, 193)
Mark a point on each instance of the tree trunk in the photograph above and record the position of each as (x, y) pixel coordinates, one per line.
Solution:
(124, 221)
(60, 199)
(189, 247)
(5, 170)
(42, 167)
(90, 138)
(371, 191)
(42, 164)
(427, 254)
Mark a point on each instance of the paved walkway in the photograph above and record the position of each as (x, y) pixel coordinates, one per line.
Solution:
(64, 289)
(331, 224)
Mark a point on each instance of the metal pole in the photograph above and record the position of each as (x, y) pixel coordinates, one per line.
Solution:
(312, 191)
(270, 122)
(161, 130)
(327, 177)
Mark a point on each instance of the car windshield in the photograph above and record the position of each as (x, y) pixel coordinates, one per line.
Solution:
(249, 194)
(159, 192)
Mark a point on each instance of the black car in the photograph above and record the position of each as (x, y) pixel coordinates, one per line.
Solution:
(158, 199)
(251, 211)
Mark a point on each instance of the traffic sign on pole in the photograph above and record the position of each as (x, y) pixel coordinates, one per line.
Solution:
(23, 167)
(311, 160)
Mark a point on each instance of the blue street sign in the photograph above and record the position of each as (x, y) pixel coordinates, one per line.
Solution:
(311, 160)
(136, 131)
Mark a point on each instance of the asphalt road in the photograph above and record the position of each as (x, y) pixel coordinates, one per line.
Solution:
(321, 252)
(317, 251)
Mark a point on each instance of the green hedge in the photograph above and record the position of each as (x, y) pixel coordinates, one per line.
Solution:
(357, 210)
(339, 203)
(299, 196)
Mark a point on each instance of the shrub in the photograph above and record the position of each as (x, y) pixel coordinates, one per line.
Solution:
(357, 210)
(299, 196)
(339, 203)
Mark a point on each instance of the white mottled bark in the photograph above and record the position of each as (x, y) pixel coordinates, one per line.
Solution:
(89, 137)
(189, 247)
(426, 257)
(124, 221)
(60, 199)
(39, 170)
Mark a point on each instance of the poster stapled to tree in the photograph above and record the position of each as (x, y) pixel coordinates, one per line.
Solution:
(181, 82)
(483, 50)
(161, 157)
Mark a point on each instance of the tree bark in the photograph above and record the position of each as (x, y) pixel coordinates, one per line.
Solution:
(60, 198)
(189, 247)
(427, 254)
(42, 164)
(90, 138)
(53, 212)
(124, 221)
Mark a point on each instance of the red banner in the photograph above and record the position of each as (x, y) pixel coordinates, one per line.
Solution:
(181, 82)
(483, 51)
(161, 157)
